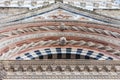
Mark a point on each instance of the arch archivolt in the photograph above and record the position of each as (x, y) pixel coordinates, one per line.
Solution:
(22, 47)
(59, 34)
(93, 36)
(18, 31)
(36, 52)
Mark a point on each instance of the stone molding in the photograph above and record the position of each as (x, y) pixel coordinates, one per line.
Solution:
(48, 28)
(94, 4)
(60, 69)
(98, 46)
(20, 18)
(78, 34)
(58, 34)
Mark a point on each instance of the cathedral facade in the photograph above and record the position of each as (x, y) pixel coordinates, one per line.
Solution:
(59, 39)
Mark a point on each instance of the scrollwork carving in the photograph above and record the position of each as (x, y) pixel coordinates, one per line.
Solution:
(62, 27)
(61, 42)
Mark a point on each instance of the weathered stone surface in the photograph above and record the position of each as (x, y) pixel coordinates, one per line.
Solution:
(54, 36)
(61, 69)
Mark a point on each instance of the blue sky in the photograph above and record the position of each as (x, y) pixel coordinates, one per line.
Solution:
(118, 1)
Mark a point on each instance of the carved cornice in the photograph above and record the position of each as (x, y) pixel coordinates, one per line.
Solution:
(34, 64)
(59, 69)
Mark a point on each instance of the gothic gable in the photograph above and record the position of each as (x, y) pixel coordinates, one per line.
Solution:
(60, 14)
(58, 11)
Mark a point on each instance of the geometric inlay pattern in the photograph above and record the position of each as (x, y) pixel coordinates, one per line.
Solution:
(60, 51)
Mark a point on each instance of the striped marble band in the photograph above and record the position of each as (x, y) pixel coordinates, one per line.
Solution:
(63, 52)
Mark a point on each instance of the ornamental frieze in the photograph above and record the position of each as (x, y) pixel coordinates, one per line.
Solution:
(60, 69)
